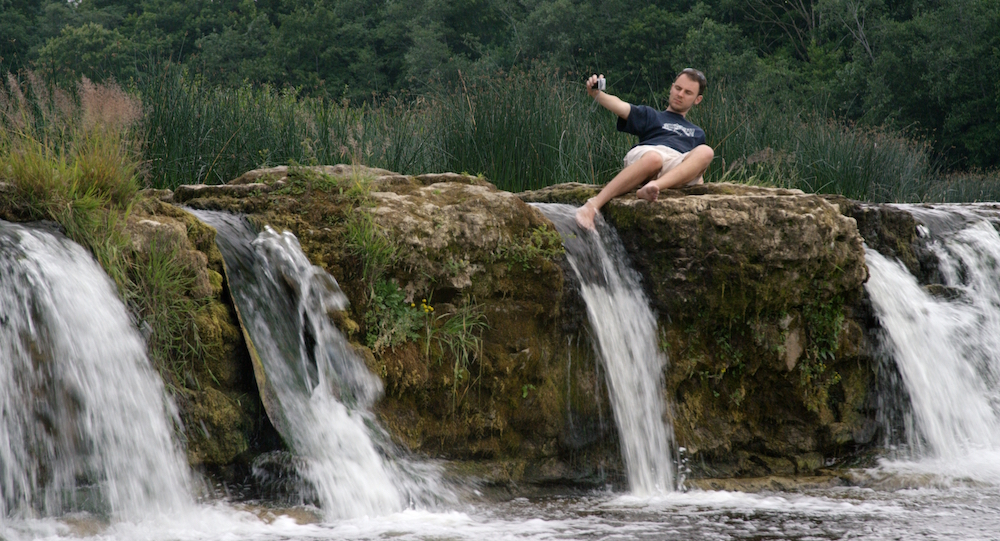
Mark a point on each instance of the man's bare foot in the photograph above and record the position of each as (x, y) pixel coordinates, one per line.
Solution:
(649, 192)
(585, 215)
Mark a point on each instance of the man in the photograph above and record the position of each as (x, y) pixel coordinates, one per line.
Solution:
(671, 151)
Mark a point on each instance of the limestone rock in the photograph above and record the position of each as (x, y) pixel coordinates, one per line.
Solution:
(459, 251)
(758, 291)
(452, 231)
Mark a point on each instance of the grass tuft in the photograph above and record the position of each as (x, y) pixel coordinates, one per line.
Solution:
(160, 283)
(75, 159)
(459, 333)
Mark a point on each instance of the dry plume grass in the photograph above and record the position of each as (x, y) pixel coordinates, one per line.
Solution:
(107, 106)
(57, 148)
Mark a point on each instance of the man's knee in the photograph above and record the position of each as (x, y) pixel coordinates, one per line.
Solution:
(702, 153)
(651, 162)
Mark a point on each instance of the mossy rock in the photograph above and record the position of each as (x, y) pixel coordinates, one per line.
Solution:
(213, 387)
(760, 299)
(759, 293)
(456, 243)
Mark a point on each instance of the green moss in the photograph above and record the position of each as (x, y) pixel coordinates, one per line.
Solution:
(823, 322)
(622, 216)
(541, 243)
(221, 430)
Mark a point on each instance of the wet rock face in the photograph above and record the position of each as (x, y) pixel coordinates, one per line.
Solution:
(759, 293)
(457, 303)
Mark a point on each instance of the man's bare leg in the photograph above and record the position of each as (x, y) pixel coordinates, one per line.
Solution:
(693, 166)
(628, 178)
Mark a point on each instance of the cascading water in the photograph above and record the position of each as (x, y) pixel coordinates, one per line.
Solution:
(947, 346)
(625, 332)
(59, 319)
(318, 391)
(85, 423)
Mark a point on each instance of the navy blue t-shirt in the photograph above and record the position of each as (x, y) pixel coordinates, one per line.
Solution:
(661, 128)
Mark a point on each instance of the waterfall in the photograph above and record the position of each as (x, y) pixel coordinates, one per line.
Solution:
(318, 391)
(85, 424)
(625, 339)
(946, 346)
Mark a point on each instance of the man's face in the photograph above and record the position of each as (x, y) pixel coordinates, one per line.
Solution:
(684, 94)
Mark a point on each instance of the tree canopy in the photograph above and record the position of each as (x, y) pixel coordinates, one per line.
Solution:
(928, 67)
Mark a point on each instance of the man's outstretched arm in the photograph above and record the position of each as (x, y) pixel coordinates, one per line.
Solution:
(608, 101)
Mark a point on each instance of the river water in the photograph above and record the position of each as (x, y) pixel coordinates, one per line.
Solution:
(940, 478)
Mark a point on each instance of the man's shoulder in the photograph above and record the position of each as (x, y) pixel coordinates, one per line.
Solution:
(647, 114)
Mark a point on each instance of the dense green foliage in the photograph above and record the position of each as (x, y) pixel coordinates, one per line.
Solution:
(929, 67)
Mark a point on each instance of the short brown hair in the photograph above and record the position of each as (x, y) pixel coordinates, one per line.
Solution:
(697, 76)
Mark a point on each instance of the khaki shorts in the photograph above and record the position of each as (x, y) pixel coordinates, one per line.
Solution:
(671, 159)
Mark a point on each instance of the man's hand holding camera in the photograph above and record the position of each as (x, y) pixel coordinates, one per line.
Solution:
(595, 84)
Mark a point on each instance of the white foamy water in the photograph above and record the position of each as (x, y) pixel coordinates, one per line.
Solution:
(625, 337)
(323, 390)
(914, 505)
(85, 423)
(924, 336)
(947, 347)
(848, 513)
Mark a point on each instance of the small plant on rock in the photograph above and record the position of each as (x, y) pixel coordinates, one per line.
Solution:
(390, 319)
(459, 335)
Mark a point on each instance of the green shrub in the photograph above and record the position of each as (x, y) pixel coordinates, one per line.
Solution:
(71, 159)
(74, 159)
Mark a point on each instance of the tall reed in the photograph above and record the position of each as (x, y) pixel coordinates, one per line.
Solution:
(967, 187)
(762, 142)
(198, 134)
(521, 130)
(526, 130)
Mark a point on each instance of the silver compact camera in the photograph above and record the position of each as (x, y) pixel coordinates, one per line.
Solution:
(601, 84)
